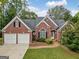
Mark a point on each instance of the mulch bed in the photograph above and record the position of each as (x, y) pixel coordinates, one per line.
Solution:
(35, 43)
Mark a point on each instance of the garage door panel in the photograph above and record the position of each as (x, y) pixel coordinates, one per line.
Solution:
(10, 38)
(23, 38)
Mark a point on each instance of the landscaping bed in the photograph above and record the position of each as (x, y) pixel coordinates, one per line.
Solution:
(35, 43)
(50, 53)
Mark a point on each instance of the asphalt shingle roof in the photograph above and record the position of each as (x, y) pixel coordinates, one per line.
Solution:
(33, 22)
(59, 22)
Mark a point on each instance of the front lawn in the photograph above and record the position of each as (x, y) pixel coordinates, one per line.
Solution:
(50, 53)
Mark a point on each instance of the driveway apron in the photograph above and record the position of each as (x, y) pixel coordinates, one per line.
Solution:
(16, 51)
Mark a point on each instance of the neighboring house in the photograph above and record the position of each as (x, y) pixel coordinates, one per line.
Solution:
(24, 31)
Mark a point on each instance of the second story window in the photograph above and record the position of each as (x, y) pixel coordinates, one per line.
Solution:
(19, 24)
(14, 24)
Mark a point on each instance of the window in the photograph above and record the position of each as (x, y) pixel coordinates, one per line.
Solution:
(42, 34)
(14, 24)
(17, 23)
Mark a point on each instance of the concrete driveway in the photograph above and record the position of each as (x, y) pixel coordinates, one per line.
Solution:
(13, 51)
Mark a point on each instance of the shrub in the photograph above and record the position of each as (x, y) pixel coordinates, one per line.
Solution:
(71, 40)
(49, 41)
(41, 40)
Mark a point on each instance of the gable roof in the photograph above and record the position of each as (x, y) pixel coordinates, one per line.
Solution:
(63, 25)
(16, 17)
(32, 23)
(59, 22)
(53, 26)
(52, 20)
(44, 22)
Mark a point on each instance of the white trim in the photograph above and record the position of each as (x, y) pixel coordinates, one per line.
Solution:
(63, 25)
(52, 20)
(41, 22)
(16, 17)
(49, 19)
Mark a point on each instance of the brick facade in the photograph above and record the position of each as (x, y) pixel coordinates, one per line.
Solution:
(17, 30)
(48, 30)
(58, 35)
(48, 27)
(45, 27)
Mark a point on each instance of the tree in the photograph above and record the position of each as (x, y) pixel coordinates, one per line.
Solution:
(25, 13)
(70, 36)
(13, 8)
(1, 18)
(75, 18)
(2, 3)
(28, 15)
(11, 12)
(59, 12)
(71, 40)
(17, 4)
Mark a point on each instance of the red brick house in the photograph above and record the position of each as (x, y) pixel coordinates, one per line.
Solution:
(22, 31)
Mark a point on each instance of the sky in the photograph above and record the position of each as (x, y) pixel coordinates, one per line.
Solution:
(40, 7)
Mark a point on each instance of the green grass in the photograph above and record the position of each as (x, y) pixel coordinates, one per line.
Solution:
(50, 53)
(1, 41)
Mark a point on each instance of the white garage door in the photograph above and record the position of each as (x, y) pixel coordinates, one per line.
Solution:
(23, 38)
(9, 38)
